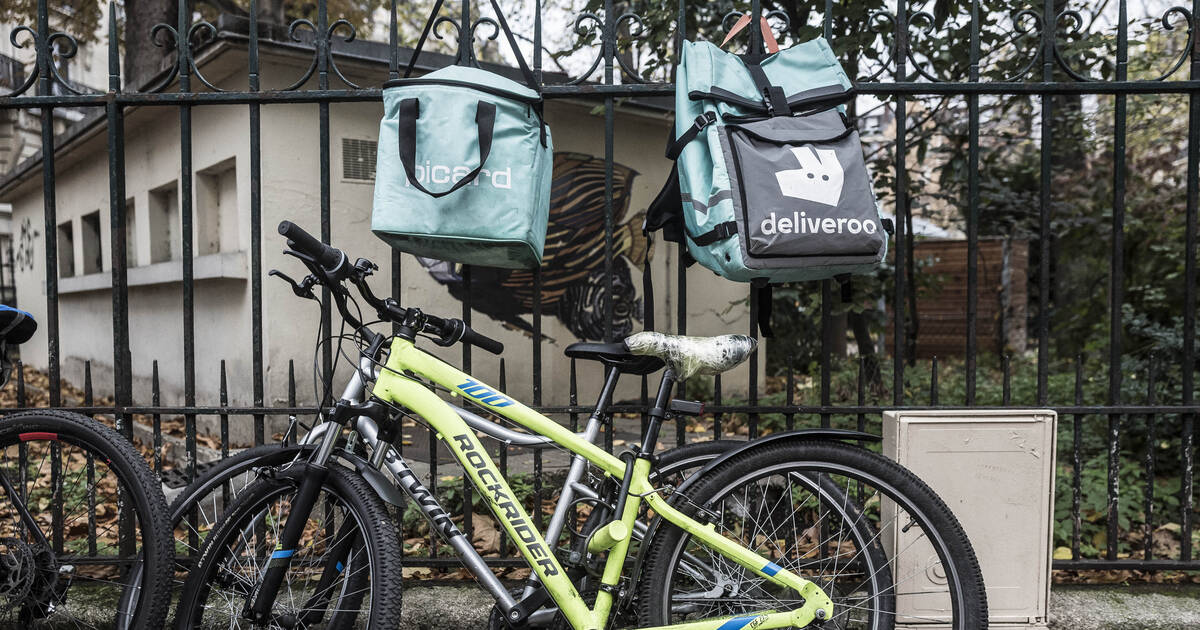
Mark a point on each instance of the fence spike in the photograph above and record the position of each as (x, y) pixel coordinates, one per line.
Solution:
(790, 418)
(224, 393)
(87, 383)
(933, 381)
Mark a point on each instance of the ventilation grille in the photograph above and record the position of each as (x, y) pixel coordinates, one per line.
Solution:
(358, 159)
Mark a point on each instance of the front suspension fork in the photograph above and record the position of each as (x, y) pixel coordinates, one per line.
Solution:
(262, 599)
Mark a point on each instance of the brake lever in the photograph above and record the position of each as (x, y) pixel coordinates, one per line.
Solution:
(440, 340)
(301, 289)
(365, 267)
(447, 338)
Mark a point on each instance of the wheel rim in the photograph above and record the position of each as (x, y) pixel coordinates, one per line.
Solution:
(886, 510)
(230, 576)
(70, 486)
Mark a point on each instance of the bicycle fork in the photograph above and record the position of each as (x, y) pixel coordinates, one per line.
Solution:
(262, 599)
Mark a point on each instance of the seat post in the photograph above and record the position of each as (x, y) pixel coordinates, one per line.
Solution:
(658, 413)
(611, 376)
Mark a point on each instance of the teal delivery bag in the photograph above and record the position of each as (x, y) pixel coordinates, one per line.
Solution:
(771, 184)
(463, 168)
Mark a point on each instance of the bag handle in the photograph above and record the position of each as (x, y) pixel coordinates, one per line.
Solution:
(768, 36)
(508, 34)
(485, 124)
(512, 43)
(412, 60)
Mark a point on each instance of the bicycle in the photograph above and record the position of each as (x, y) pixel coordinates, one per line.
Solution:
(80, 504)
(201, 503)
(310, 542)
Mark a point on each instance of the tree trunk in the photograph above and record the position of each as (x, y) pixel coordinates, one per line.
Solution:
(273, 12)
(866, 350)
(143, 60)
(838, 328)
(856, 321)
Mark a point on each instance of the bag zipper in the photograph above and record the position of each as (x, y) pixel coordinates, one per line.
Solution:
(747, 118)
(463, 84)
(760, 111)
(840, 136)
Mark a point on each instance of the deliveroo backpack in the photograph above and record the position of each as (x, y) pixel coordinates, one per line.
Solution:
(771, 182)
(464, 165)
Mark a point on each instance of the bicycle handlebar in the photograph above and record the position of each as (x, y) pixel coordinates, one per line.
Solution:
(332, 260)
(335, 267)
(458, 330)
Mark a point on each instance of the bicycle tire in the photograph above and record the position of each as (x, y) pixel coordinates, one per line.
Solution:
(223, 472)
(150, 588)
(361, 503)
(967, 598)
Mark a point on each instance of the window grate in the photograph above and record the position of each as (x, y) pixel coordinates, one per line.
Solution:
(358, 159)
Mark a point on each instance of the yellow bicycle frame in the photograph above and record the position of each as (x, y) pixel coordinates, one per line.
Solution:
(392, 386)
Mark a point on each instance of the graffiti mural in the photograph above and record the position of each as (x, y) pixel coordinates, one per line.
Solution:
(23, 253)
(573, 283)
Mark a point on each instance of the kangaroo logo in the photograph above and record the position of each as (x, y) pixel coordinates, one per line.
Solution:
(818, 179)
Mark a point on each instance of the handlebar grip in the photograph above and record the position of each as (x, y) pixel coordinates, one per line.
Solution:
(481, 341)
(331, 259)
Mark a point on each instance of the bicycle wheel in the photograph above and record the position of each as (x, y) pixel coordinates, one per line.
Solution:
(196, 510)
(97, 506)
(871, 534)
(343, 573)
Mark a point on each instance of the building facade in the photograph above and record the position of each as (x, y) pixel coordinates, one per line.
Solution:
(573, 282)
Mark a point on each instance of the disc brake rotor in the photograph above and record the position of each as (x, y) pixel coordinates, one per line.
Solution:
(17, 572)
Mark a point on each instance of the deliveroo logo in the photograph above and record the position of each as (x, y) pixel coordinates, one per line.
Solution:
(818, 179)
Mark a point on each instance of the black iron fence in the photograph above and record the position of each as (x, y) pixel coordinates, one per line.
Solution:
(897, 76)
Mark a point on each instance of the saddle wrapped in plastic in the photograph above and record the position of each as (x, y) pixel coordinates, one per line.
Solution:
(688, 356)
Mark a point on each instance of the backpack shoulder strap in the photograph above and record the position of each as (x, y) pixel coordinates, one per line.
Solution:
(675, 147)
(765, 299)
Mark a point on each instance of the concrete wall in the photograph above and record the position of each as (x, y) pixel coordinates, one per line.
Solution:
(291, 190)
(222, 299)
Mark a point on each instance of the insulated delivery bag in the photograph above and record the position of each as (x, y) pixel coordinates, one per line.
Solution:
(464, 165)
(772, 184)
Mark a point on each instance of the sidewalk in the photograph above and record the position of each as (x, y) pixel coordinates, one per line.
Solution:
(1136, 607)
(1139, 607)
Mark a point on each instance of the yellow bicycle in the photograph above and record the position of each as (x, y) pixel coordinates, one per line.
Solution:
(799, 529)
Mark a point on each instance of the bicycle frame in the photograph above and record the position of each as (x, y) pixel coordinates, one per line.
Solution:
(394, 387)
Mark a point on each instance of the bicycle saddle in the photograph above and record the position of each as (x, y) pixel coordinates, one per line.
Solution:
(614, 355)
(693, 355)
(16, 326)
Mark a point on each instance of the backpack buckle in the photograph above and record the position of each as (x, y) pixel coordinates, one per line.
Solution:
(675, 147)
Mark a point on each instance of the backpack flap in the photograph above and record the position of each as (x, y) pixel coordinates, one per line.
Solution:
(730, 83)
(801, 193)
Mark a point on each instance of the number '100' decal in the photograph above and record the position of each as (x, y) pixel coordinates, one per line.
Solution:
(484, 394)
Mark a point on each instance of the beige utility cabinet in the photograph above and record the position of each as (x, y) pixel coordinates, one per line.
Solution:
(995, 469)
